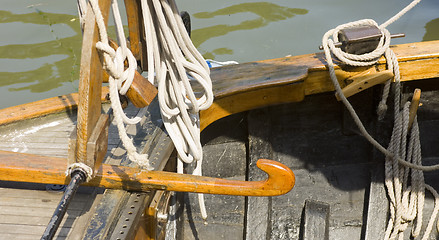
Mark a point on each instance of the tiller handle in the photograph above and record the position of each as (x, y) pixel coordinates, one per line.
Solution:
(23, 167)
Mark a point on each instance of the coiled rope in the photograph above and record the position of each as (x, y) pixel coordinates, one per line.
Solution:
(175, 64)
(403, 156)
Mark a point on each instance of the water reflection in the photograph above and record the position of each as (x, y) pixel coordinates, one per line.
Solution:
(267, 12)
(55, 61)
(431, 30)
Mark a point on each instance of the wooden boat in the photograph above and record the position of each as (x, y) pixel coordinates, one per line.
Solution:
(282, 109)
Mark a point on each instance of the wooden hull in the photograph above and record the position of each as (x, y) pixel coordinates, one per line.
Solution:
(290, 116)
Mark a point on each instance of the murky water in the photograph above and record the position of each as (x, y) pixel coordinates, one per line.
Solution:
(40, 39)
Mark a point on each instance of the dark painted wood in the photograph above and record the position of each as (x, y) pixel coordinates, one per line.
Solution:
(377, 208)
(258, 212)
(316, 220)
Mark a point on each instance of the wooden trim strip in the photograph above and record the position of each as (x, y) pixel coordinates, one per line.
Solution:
(43, 107)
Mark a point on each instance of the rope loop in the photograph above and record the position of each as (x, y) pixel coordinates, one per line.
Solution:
(366, 59)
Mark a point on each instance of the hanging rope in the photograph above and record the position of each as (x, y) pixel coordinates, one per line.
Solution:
(403, 156)
(120, 78)
(175, 64)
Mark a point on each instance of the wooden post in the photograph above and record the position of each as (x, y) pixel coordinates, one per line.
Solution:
(90, 85)
(133, 16)
(136, 31)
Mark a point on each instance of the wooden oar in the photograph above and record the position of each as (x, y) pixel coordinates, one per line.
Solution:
(23, 167)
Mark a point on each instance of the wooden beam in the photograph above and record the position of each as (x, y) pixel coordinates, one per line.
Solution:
(134, 27)
(51, 170)
(64, 103)
(90, 81)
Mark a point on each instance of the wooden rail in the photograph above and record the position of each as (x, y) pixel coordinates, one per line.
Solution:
(252, 85)
(258, 84)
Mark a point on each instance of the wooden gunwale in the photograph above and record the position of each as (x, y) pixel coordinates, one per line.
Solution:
(64, 103)
(266, 79)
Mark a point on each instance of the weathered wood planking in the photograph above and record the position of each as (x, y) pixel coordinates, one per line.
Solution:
(25, 213)
(47, 136)
(258, 214)
(316, 220)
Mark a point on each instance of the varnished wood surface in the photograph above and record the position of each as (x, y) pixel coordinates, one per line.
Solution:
(263, 83)
(134, 26)
(51, 170)
(90, 81)
(257, 84)
(64, 103)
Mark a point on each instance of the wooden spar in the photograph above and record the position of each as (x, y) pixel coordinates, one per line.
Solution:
(51, 170)
(253, 85)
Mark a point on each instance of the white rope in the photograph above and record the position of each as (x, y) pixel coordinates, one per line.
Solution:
(172, 59)
(176, 65)
(120, 78)
(403, 158)
(88, 171)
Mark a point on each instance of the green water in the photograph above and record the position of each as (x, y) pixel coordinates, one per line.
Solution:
(40, 40)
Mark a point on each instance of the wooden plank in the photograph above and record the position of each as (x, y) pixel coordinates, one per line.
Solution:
(134, 25)
(90, 81)
(105, 214)
(377, 208)
(78, 204)
(19, 229)
(64, 103)
(316, 221)
(258, 214)
(417, 61)
(33, 220)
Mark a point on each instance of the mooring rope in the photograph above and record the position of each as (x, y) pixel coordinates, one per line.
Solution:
(403, 158)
